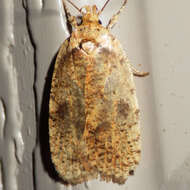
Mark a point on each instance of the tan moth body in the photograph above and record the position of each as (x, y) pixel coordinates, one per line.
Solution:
(93, 111)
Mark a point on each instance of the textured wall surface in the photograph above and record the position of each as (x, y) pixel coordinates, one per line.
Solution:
(154, 34)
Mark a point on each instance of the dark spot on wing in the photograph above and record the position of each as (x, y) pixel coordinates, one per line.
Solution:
(122, 108)
(62, 110)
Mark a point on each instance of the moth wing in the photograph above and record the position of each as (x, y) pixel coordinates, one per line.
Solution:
(67, 115)
(113, 114)
(94, 123)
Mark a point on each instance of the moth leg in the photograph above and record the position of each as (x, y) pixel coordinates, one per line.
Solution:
(114, 18)
(138, 73)
(72, 19)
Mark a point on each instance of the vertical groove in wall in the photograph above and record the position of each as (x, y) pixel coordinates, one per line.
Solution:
(28, 13)
(25, 5)
(24, 59)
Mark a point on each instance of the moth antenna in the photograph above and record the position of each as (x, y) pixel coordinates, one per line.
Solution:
(114, 18)
(103, 7)
(71, 19)
(73, 5)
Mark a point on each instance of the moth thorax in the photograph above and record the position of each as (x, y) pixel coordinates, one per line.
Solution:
(88, 46)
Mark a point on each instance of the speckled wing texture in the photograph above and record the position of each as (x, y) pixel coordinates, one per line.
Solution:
(93, 112)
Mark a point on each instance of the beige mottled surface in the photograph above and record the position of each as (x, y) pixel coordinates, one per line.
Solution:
(94, 116)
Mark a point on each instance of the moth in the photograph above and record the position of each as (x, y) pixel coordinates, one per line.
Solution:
(93, 111)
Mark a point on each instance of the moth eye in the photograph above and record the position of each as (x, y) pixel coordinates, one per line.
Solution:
(99, 21)
(79, 20)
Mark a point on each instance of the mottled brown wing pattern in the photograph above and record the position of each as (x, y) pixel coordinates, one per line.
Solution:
(93, 112)
(93, 115)
(67, 115)
(112, 120)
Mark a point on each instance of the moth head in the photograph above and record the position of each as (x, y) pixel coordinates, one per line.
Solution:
(90, 14)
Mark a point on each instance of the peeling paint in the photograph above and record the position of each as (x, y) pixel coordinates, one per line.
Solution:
(19, 147)
(1, 179)
(2, 118)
